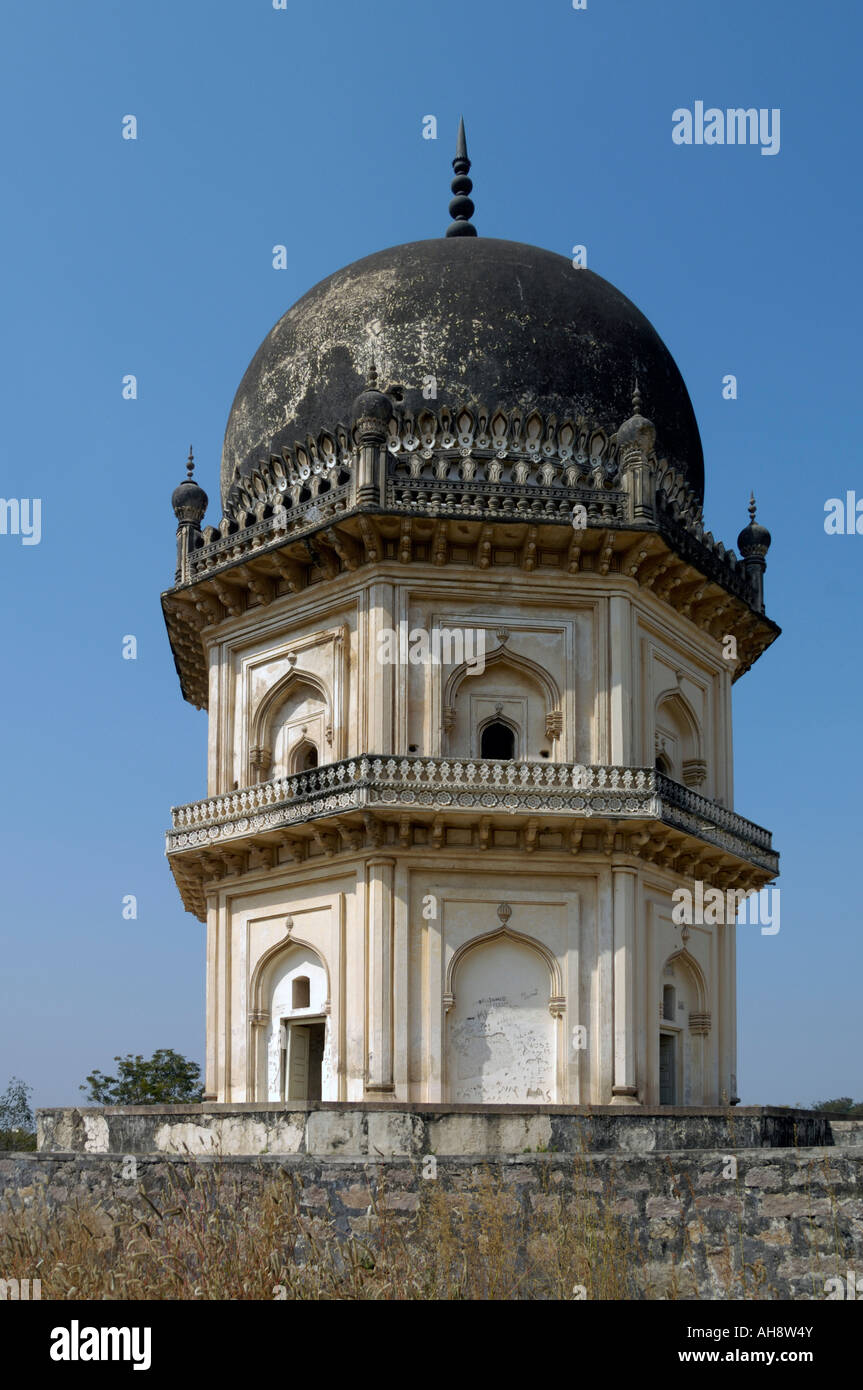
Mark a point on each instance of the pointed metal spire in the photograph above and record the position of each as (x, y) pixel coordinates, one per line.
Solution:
(190, 463)
(752, 506)
(461, 208)
(461, 144)
(636, 399)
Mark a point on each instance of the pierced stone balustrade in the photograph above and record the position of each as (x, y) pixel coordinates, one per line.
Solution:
(469, 788)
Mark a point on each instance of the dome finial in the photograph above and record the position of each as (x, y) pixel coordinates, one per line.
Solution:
(189, 500)
(372, 410)
(754, 539)
(461, 209)
(637, 430)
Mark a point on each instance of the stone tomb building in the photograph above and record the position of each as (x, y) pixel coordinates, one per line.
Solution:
(450, 880)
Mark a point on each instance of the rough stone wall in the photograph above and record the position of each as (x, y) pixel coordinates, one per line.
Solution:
(847, 1131)
(764, 1224)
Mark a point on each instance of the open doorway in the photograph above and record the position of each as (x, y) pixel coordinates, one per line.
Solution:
(667, 1069)
(303, 1061)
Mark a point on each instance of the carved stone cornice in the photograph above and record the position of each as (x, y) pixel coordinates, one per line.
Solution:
(551, 548)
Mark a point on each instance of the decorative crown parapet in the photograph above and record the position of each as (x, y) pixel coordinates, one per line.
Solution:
(467, 462)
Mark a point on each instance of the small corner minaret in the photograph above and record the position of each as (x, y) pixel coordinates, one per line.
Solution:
(636, 444)
(461, 208)
(372, 413)
(637, 430)
(190, 503)
(753, 544)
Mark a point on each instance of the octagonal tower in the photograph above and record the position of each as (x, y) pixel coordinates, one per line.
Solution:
(467, 651)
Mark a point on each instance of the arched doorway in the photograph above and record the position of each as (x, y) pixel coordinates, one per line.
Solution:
(683, 1026)
(297, 1043)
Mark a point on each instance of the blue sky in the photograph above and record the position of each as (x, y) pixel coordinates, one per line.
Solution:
(154, 257)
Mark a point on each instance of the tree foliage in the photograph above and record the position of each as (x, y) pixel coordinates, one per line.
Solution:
(166, 1078)
(17, 1125)
(843, 1106)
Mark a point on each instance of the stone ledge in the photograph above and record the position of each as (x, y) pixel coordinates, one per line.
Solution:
(392, 1129)
(218, 1107)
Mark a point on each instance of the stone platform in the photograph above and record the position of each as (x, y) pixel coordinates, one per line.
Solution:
(743, 1203)
(408, 1131)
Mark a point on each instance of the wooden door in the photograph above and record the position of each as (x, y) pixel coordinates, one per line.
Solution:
(298, 1065)
(667, 1059)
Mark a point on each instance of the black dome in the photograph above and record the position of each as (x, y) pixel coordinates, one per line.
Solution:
(495, 323)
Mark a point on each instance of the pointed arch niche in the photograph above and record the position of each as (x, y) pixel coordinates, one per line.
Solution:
(512, 691)
(293, 695)
(292, 721)
(678, 740)
(503, 1006)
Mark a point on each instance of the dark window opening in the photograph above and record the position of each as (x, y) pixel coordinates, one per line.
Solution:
(300, 995)
(498, 741)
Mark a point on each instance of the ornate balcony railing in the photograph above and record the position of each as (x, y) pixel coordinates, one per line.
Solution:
(287, 520)
(509, 500)
(481, 786)
(696, 809)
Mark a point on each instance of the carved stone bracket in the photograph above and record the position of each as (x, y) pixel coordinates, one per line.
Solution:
(260, 760)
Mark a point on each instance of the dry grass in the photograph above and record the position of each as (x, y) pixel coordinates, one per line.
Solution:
(209, 1238)
(216, 1233)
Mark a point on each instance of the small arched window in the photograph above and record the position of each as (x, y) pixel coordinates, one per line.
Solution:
(304, 757)
(300, 995)
(497, 741)
(663, 766)
(668, 1002)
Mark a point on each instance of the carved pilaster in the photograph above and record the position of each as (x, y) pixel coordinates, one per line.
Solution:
(624, 1091)
(380, 909)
